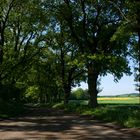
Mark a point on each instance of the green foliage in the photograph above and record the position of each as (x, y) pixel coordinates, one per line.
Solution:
(50, 46)
(10, 93)
(69, 107)
(20, 37)
(58, 105)
(32, 94)
(92, 26)
(130, 30)
(133, 120)
(8, 110)
(126, 116)
(79, 94)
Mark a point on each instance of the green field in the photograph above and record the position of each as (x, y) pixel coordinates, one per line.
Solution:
(111, 100)
(119, 100)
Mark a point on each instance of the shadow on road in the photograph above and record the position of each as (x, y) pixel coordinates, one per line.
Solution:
(44, 124)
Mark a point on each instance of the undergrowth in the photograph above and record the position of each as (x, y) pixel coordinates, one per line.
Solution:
(8, 110)
(126, 116)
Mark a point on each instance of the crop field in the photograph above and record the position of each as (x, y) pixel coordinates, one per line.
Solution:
(118, 100)
(112, 100)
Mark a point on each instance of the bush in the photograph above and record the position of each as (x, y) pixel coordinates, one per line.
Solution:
(10, 93)
(124, 115)
(10, 109)
(79, 94)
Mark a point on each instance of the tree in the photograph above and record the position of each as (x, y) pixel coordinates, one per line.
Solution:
(69, 69)
(79, 94)
(133, 26)
(21, 38)
(92, 25)
(50, 46)
(130, 27)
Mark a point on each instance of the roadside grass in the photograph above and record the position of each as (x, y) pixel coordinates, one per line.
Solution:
(124, 115)
(124, 112)
(8, 110)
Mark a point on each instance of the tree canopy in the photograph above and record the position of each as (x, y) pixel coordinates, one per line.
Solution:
(47, 47)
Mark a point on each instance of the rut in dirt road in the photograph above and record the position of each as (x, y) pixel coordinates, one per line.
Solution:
(48, 124)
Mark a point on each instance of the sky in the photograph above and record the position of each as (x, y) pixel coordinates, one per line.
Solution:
(124, 86)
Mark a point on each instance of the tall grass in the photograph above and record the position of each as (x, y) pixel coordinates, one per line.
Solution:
(126, 116)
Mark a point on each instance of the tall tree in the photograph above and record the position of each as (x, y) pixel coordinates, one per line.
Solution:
(132, 23)
(92, 25)
(130, 27)
(22, 34)
(22, 24)
(69, 68)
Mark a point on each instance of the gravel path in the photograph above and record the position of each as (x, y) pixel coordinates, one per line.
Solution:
(45, 124)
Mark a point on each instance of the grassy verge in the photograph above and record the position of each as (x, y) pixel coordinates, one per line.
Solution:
(124, 115)
(8, 110)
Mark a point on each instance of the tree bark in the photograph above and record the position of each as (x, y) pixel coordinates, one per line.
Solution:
(1, 41)
(138, 31)
(67, 91)
(92, 86)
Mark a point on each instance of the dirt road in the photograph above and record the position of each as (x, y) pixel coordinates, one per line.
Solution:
(45, 124)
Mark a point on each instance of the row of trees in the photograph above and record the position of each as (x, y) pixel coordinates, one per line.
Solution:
(48, 46)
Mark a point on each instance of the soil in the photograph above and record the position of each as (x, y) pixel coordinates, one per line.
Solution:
(51, 124)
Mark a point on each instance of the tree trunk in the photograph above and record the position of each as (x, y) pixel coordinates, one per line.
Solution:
(67, 90)
(138, 30)
(92, 86)
(1, 42)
